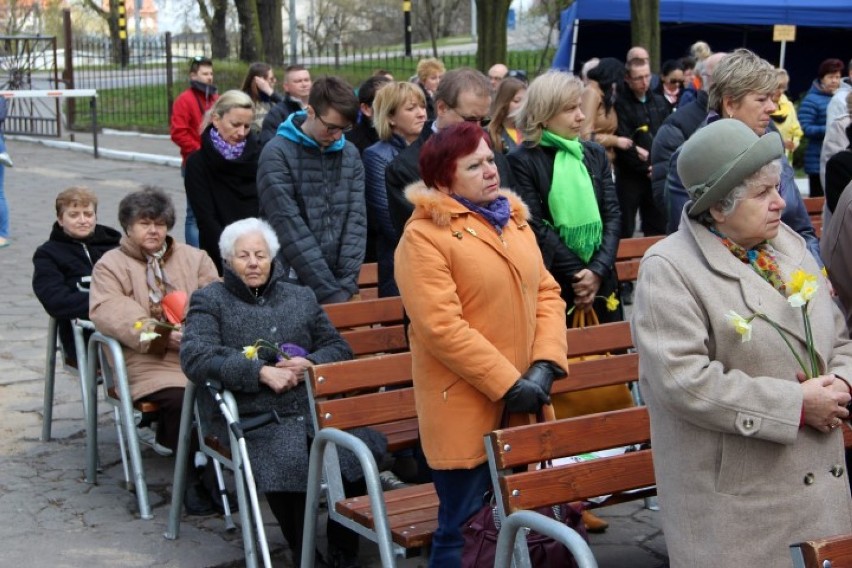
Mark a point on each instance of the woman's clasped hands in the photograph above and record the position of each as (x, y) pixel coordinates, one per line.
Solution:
(824, 401)
(285, 375)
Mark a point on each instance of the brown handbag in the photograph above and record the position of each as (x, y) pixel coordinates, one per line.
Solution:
(590, 401)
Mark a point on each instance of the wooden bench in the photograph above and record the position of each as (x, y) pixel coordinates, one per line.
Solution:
(814, 207)
(353, 394)
(629, 255)
(831, 552)
(368, 281)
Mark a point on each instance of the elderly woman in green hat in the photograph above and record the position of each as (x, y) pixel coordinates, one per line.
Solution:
(748, 452)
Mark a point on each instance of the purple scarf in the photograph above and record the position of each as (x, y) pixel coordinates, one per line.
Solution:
(228, 151)
(496, 213)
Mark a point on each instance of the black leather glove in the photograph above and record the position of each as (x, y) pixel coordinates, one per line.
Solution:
(525, 396)
(542, 373)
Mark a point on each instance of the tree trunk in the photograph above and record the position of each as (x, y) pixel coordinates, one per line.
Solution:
(271, 31)
(250, 40)
(216, 27)
(491, 19)
(645, 28)
(109, 16)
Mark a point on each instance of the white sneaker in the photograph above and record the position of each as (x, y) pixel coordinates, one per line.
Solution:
(148, 437)
(6, 160)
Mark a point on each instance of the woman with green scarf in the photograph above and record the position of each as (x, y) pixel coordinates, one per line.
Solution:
(567, 184)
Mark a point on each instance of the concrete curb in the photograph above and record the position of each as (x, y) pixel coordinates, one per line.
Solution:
(157, 159)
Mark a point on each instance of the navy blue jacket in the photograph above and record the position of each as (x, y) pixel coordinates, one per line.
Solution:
(795, 215)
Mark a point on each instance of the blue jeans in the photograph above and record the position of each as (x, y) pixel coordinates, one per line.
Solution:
(190, 228)
(461, 493)
(4, 207)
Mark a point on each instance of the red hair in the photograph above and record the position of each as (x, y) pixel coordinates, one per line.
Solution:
(441, 152)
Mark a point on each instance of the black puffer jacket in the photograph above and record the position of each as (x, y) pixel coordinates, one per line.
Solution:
(59, 268)
(532, 168)
(633, 114)
(277, 115)
(314, 199)
(676, 130)
(221, 191)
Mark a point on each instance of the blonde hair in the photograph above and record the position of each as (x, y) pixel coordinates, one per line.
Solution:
(389, 99)
(738, 74)
(227, 101)
(700, 50)
(547, 96)
(75, 195)
(428, 67)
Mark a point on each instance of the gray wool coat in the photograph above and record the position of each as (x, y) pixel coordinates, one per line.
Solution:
(225, 317)
(738, 479)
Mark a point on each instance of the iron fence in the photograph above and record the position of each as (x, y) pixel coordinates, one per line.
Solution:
(139, 94)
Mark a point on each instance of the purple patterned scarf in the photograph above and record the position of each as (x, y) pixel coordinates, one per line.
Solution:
(228, 151)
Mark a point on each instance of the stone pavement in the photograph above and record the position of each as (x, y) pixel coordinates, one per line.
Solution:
(48, 515)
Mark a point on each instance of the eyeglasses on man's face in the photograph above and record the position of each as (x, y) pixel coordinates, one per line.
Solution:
(333, 128)
(477, 119)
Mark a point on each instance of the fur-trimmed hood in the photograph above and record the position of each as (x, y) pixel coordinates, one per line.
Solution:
(441, 208)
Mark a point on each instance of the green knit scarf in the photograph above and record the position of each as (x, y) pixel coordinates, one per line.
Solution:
(572, 201)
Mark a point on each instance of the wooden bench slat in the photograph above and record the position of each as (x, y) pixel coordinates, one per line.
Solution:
(579, 481)
(361, 374)
(836, 549)
(602, 372)
(370, 409)
(627, 270)
(535, 443)
(635, 247)
(597, 339)
(400, 434)
(368, 312)
(369, 341)
(369, 274)
(814, 205)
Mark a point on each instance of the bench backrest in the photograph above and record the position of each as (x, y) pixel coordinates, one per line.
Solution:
(529, 445)
(368, 281)
(831, 552)
(629, 255)
(352, 394)
(814, 207)
(370, 326)
(607, 363)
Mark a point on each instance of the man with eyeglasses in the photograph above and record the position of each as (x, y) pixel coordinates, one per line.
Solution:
(310, 184)
(188, 113)
(463, 95)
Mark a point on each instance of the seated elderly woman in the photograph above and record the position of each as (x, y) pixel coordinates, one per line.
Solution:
(256, 307)
(129, 285)
(747, 451)
(62, 267)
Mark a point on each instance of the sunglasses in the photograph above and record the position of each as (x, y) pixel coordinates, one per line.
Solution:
(674, 82)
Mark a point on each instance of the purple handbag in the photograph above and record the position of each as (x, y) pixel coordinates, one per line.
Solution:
(481, 530)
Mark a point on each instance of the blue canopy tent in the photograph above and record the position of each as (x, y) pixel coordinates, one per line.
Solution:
(758, 16)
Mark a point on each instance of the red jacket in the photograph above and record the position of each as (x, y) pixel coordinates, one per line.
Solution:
(187, 116)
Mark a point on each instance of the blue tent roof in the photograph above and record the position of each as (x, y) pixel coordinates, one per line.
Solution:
(815, 13)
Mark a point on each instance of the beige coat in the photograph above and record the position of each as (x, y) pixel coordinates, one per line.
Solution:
(119, 298)
(483, 308)
(738, 479)
(836, 247)
(598, 125)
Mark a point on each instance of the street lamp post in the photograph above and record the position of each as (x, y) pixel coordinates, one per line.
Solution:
(406, 11)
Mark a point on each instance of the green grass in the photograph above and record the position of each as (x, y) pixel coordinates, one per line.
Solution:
(143, 108)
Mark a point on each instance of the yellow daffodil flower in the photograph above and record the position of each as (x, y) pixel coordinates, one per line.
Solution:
(250, 351)
(824, 271)
(612, 302)
(741, 324)
(138, 325)
(798, 279)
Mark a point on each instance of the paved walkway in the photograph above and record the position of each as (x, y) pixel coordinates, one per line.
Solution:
(48, 515)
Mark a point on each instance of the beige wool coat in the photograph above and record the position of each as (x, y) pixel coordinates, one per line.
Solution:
(483, 308)
(119, 298)
(738, 479)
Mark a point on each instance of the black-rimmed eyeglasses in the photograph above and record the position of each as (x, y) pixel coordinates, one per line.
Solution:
(333, 128)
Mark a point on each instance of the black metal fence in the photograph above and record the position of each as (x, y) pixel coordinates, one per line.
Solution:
(139, 95)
